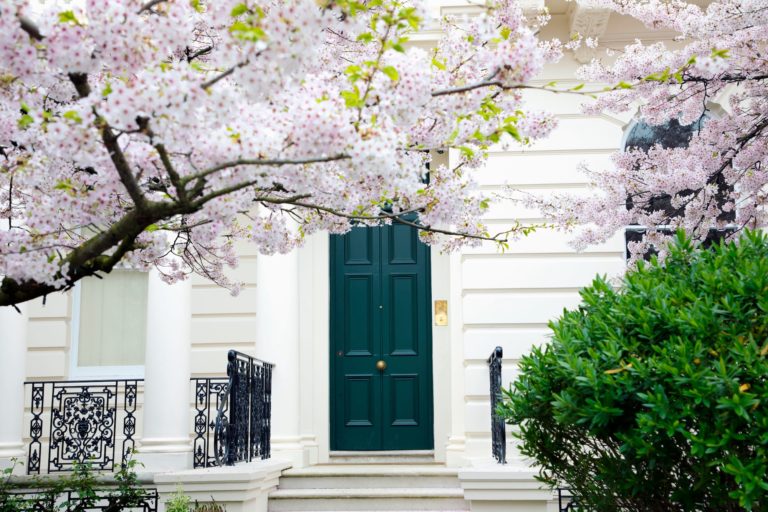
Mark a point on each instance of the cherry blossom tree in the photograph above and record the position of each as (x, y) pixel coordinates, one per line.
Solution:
(160, 133)
(713, 79)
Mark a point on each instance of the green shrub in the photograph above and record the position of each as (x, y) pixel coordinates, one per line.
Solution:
(653, 396)
(77, 491)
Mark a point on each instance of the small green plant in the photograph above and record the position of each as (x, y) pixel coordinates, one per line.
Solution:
(178, 502)
(654, 396)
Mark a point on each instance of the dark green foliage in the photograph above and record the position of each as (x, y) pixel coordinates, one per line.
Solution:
(37, 494)
(653, 397)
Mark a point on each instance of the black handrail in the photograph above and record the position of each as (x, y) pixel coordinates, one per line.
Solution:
(498, 432)
(243, 421)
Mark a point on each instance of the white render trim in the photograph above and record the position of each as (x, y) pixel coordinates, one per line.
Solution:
(13, 354)
(240, 488)
(508, 488)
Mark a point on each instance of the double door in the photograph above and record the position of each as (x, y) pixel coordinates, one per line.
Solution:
(381, 354)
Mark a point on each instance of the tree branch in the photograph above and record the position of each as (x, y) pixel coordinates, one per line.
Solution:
(30, 28)
(149, 5)
(80, 81)
(122, 167)
(265, 162)
(90, 257)
(210, 83)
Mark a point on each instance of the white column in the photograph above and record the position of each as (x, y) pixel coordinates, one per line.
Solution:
(165, 441)
(277, 341)
(13, 355)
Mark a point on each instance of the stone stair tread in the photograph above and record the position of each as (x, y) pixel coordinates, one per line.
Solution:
(372, 470)
(381, 493)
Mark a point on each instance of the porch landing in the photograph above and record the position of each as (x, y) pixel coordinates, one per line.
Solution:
(369, 486)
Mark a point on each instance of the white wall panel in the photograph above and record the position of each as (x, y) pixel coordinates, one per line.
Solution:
(533, 168)
(512, 308)
(536, 272)
(479, 342)
(544, 242)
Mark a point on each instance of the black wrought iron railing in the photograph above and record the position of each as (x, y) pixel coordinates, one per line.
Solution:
(241, 426)
(210, 394)
(498, 432)
(81, 420)
(565, 501)
(100, 500)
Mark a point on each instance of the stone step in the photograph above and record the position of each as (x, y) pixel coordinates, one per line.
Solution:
(360, 499)
(383, 457)
(358, 476)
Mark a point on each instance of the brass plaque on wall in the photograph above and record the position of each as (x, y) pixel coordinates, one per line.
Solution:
(441, 312)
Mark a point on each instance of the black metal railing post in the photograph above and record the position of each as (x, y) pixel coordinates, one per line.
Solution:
(242, 425)
(566, 501)
(82, 421)
(498, 432)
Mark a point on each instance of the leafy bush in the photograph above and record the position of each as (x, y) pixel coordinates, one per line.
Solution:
(653, 396)
(74, 492)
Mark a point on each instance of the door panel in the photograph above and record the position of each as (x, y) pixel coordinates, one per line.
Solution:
(380, 298)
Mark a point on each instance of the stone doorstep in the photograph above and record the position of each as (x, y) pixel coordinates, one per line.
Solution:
(371, 470)
(374, 493)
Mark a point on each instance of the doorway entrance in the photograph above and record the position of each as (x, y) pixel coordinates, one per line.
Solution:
(380, 340)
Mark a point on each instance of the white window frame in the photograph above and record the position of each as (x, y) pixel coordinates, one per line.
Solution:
(93, 372)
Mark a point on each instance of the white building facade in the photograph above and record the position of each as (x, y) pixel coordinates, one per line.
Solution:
(134, 328)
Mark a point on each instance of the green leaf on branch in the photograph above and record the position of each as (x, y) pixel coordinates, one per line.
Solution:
(72, 115)
(239, 10)
(391, 72)
(68, 17)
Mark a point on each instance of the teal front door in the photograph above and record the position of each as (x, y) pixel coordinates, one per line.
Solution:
(381, 340)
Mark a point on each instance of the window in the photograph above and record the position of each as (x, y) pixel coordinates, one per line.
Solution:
(672, 134)
(109, 325)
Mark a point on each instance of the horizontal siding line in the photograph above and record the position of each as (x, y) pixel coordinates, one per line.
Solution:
(42, 319)
(483, 363)
(47, 348)
(540, 152)
(522, 290)
(223, 344)
(596, 255)
(499, 325)
(514, 326)
(478, 400)
(222, 316)
(475, 399)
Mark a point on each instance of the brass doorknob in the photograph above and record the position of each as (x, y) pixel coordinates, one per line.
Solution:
(381, 365)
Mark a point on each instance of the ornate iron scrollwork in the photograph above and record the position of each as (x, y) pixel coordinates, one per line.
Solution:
(210, 404)
(244, 434)
(498, 432)
(83, 422)
(36, 428)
